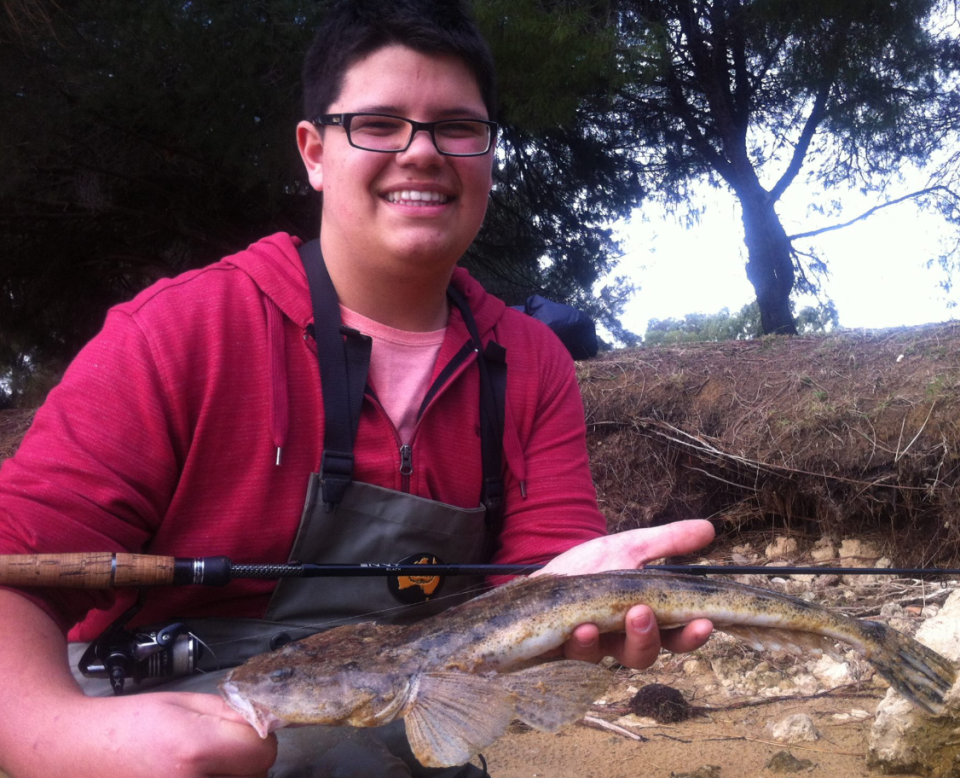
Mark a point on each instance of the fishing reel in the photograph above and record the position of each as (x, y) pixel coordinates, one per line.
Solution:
(118, 654)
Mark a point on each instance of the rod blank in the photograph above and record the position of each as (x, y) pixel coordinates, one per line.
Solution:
(107, 570)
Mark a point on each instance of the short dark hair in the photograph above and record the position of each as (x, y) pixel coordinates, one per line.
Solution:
(353, 29)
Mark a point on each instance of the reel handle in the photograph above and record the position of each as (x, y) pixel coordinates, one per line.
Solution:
(107, 570)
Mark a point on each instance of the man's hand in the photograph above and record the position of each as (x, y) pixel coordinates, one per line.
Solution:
(640, 644)
(162, 735)
(50, 729)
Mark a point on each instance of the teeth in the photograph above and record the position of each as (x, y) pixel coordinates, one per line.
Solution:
(415, 197)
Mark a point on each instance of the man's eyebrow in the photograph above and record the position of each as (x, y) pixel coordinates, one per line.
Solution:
(458, 112)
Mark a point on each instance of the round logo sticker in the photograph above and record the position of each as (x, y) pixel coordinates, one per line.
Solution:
(414, 589)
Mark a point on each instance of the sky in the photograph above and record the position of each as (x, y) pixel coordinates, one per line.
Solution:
(878, 275)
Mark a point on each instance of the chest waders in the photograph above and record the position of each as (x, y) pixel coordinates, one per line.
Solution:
(347, 521)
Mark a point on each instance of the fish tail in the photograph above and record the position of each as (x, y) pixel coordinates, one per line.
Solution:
(917, 672)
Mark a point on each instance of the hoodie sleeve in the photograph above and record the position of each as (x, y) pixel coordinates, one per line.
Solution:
(98, 466)
(555, 508)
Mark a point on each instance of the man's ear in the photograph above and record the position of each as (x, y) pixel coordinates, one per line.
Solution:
(310, 143)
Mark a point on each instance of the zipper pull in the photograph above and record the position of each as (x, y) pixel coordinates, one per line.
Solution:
(406, 459)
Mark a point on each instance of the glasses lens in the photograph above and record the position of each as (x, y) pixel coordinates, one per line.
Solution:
(462, 137)
(379, 133)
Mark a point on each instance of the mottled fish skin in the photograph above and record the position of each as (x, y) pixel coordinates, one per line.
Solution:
(454, 676)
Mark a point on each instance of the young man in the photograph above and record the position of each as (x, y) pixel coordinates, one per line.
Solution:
(196, 421)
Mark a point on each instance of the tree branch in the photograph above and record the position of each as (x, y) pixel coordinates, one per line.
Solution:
(803, 144)
(930, 190)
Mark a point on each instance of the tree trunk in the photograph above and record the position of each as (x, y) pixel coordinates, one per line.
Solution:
(769, 265)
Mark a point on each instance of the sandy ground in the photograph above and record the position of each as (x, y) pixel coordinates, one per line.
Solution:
(735, 741)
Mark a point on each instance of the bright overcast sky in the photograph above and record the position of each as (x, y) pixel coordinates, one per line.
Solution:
(878, 275)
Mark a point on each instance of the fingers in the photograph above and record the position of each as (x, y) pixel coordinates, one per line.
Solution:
(638, 646)
(584, 644)
(688, 638)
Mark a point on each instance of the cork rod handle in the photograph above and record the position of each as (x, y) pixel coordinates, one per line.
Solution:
(95, 570)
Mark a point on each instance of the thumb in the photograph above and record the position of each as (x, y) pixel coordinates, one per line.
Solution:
(633, 548)
(210, 705)
(676, 539)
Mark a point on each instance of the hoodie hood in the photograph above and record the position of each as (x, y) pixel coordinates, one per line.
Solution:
(274, 265)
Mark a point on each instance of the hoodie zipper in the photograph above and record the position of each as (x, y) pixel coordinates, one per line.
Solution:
(447, 375)
(406, 466)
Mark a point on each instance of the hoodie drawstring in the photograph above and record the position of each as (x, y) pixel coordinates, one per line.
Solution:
(279, 401)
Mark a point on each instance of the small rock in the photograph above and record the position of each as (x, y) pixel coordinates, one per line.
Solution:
(798, 728)
(695, 667)
(785, 762)
(782, 548)
(854, 715)
(803, 683)
(707, 771)
(859, 553)
(824, 550)
(890, 609)
(732, 669)
(830, 672)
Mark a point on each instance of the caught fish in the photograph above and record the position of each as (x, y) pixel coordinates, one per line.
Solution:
(459, 678)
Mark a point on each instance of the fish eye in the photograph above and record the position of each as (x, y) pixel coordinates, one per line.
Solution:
(278, 676)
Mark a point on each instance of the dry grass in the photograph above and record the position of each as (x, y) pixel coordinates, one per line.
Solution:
(848, 434)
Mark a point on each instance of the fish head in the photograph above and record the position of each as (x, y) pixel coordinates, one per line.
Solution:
(274, 697)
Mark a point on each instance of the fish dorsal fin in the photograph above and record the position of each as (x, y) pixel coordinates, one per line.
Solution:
(454, 715)
(553, 695)
(791, 641)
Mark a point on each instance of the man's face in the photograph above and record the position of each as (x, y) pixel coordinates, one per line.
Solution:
(382, 210)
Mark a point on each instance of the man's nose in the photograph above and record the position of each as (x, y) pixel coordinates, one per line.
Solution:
(421, 145)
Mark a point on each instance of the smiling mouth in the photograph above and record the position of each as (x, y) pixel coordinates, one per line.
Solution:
(415, 197)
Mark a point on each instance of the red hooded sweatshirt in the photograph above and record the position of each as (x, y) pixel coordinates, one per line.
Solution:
(162, 437)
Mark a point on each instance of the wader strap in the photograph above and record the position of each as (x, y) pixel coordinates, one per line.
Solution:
(492, 364)
(344, 358)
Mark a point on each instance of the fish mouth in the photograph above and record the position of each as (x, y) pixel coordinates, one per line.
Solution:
(258, 717)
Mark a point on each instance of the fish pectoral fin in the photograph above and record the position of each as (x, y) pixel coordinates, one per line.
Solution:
(792, 641)
(454, 715)
(553, 695)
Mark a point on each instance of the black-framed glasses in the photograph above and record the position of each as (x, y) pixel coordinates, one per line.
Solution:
(388, 134)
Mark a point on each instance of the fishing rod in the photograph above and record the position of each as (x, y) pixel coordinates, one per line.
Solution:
(107, 570)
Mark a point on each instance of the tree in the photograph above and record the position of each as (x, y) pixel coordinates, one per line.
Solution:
(748, 93)
(142, 138)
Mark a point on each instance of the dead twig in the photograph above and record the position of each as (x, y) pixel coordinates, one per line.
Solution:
(595, 723)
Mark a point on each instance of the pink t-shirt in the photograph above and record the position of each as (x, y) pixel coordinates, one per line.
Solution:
(401, 364)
